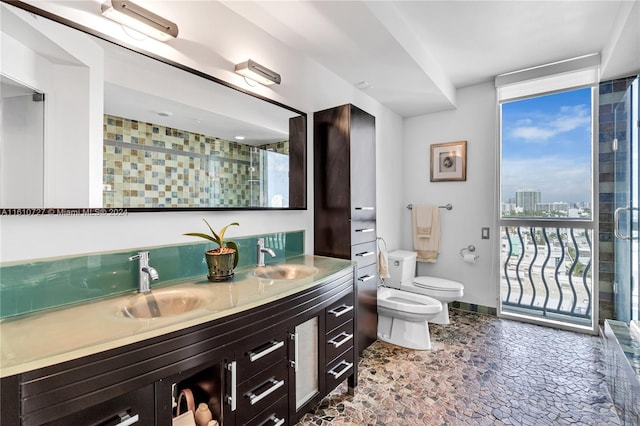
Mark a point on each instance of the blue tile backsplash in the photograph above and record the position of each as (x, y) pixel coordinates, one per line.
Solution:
(32, 286)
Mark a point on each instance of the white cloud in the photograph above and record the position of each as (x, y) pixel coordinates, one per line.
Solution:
(548, 126)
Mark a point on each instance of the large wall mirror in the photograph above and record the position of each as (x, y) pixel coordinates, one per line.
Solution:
(87, 123)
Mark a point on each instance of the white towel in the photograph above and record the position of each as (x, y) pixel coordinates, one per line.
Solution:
(424, 220)
(383, 265)
(426, 244)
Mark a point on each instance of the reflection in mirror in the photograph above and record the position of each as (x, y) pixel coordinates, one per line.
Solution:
(22, 136)
(166, 138)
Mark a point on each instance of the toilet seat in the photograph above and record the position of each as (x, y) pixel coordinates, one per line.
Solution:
(411, 303)
(434, 283)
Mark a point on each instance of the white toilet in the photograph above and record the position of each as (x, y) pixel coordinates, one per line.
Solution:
(403, 317)
(440, 289)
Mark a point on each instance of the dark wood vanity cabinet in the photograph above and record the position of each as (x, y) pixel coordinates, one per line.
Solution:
(242, 366)
(345, 202)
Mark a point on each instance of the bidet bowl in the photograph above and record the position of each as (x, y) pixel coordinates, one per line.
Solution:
(285, 271)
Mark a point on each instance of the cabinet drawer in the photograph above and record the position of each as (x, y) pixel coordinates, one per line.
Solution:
(364, 254)
(136, 405)
(262, 390)
(339, 312)
(259, 351)
(275, 415)
(339, 370)
(363, 231)
(339, 341)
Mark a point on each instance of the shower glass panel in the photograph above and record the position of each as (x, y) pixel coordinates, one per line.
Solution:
(277, 179)
(625, 147)
(22, 141)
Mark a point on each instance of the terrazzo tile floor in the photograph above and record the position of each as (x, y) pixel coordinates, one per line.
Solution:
(481, 370)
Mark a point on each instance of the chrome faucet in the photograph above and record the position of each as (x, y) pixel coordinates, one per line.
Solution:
(262, 250)
(145, 271)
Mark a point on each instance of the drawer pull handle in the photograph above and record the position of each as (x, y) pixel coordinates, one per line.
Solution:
(336, 374)
(275, 385)
(365, 254)
(365, 230)
(365, 208)
(232, 400)
(340, 310)
(345, 338)
(273, 345)
(126, 419)
(272, 418)
(366, 278)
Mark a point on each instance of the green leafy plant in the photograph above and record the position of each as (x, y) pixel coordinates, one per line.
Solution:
(218, 238)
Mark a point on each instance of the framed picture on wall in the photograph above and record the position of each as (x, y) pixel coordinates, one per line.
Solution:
(449, 161)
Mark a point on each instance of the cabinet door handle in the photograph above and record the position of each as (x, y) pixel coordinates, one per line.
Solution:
(294, 363)
(364, 254)
(336, 374)
(272, 418)
(273, 345)
(126, 419)
(232, 400)
(366, 278)
(365, 208)
(345, 338)
(340, 310)
(275, 385)
(365, 230)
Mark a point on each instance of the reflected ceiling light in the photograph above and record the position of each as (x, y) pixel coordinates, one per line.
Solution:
(140, 19)
(256, 72)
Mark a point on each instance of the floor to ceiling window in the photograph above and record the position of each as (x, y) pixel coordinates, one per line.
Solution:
(547, 206)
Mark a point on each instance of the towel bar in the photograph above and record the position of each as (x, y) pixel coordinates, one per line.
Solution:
(448, 206)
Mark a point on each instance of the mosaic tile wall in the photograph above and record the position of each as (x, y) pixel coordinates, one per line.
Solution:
(35, 285)
(611, 92)
(148, 165)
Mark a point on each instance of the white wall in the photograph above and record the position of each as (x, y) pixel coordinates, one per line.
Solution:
(306, 86)
(474, 120)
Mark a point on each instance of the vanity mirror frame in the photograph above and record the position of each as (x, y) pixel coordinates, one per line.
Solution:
(297, 135)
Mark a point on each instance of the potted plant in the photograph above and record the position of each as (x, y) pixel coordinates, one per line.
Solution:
(221, 260)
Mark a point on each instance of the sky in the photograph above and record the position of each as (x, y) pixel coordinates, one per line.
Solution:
(546, 145)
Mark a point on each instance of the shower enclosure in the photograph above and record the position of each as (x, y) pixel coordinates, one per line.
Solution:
(626, 200)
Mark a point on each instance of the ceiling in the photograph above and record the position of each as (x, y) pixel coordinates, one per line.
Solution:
(414, 55)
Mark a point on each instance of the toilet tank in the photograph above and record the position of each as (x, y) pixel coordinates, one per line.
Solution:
(402, 267)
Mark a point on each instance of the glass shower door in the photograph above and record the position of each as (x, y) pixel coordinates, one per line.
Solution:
(626, 202)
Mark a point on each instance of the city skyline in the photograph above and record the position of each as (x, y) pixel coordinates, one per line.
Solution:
(546, 145)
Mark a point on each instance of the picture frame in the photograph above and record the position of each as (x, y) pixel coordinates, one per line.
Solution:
(449, 161)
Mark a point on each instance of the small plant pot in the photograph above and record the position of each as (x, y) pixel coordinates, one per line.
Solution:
(220, 264)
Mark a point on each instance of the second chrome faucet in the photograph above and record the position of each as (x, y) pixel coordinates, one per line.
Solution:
(262, 250)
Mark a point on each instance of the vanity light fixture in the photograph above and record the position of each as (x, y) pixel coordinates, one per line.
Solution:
(140, 19)
(256, 72)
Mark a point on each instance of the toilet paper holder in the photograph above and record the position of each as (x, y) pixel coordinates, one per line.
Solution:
(466, 250)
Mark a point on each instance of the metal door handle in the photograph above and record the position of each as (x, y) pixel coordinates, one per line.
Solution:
(366, 278)
(365, 230)
(126, 419)
(365, 208)
(616, 222)
(340, 310)
(345, 338)
(232, 400)
(364, 254)
(336, 374)
(273, 345)
(275, 385)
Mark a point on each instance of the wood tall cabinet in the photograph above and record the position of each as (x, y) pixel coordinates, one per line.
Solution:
(345, 202)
